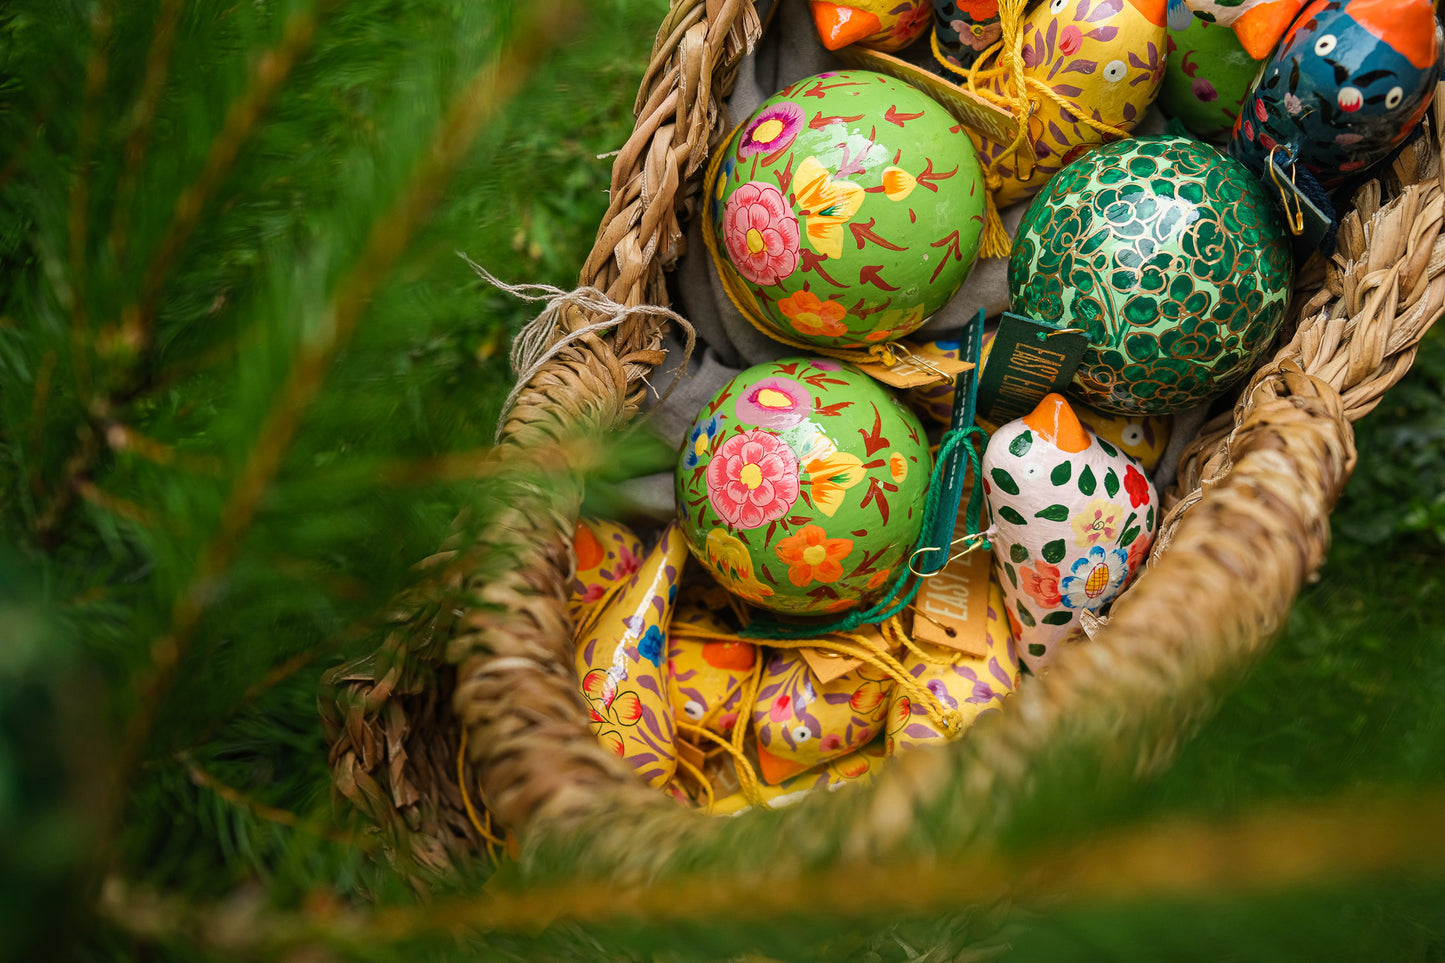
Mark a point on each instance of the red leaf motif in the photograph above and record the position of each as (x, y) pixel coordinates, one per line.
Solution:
(869, 275)
(892, 116)
(863, 234)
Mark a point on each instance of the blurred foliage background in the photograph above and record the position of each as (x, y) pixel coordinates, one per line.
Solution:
(235, 343)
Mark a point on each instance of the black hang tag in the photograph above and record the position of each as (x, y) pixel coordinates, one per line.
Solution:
(1028, 359)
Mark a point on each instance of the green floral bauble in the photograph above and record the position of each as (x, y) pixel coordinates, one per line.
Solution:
(845, 210)
(801, 486)
(1170, 256)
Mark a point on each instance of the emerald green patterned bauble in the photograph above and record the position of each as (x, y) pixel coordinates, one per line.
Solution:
(1170, 256)
(845, 210)
(801, 486)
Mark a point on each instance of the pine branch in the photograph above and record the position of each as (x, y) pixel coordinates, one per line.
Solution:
(1262, 854)
(478, 101)
(95, 75)
(158, 61)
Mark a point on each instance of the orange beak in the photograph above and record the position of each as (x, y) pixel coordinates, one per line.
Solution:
(1054, 421)
(838, 25)
(1155, 11)
(774, 769)
(1260, 28)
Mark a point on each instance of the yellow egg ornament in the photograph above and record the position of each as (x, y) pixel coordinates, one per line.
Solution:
(1090, 69)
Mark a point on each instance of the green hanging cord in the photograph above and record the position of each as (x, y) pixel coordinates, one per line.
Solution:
(905, 584)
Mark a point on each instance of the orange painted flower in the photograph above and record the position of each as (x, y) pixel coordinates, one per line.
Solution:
(898, 183)
(811, 556)
(812, 316)
(867, 698)
(729, 655)
(1041, 583)
(851, 766)
(978, 9)
(897, 466)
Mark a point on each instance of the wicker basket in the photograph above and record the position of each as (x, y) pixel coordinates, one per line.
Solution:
(484, 694)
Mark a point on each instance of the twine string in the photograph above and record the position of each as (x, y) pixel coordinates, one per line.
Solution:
(538, 342)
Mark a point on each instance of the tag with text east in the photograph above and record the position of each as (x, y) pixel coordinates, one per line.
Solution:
(1027, 360)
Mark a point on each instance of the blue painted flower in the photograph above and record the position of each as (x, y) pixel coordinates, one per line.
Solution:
(649, 646)
(700, 440)
(1094, 579)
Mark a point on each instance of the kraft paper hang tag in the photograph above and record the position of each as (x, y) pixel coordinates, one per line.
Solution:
(1027, 360)
(951, 609)
(1302, 216)
(828, 665)
(691, 754)
(934, 553)
(911, 370)
(971, 110)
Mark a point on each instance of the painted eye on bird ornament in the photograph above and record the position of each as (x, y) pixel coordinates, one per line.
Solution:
(1325, 44)
(1115, 70)
(1056, 7)
(1393, 98)
(802, 734)
(693, 708)
(1132, 435)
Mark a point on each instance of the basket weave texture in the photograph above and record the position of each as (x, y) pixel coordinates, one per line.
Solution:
(480, 656)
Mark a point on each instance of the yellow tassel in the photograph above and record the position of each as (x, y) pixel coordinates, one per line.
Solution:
(995, 241)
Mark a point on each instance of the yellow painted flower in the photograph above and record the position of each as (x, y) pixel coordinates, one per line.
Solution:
(898, 183)
(734, 566)
(830, 473)
(897, 466)
(825, 205)
(1097, 524)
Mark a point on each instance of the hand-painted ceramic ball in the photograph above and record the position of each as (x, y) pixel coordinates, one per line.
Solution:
(845, 210)
(801, 486)
(1206, 76)
(1170, 256)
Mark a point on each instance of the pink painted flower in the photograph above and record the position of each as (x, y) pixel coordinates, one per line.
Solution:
(752, 479)
(1071, 38)
(761, 233)
(774, 402)
(772, 129)
(979, 36)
